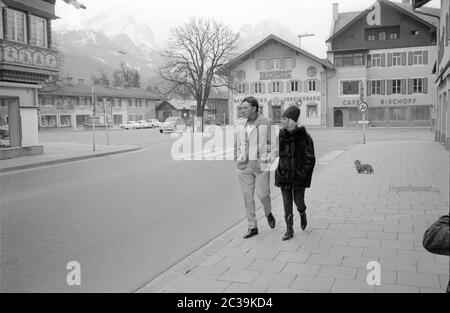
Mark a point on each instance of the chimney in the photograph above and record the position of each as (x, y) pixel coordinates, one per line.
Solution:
(81, 82)
(335, 11)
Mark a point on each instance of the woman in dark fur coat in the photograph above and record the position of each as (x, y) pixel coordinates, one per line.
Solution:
(295, 167)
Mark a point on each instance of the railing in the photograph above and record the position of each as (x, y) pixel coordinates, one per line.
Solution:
(15, 53)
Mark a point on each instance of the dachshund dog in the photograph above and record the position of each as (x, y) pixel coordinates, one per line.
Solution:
(363, 168)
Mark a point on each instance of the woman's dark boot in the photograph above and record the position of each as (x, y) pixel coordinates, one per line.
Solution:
(290, 227)
(303, 221)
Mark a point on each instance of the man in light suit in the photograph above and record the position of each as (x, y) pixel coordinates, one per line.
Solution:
(254, 154)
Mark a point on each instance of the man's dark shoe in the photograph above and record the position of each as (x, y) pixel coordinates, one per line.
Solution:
(289, 234)
(271, 220)
(251, 232)
(303, 221)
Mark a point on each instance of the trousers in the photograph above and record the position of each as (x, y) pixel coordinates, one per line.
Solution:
(250, 180)
(293, 195)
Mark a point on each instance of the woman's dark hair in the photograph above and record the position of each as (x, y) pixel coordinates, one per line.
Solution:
(253, 102)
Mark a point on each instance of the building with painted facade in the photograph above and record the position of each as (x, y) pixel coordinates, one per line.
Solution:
(27, 59)
(279, 75)
(383, 56)
(71, 106)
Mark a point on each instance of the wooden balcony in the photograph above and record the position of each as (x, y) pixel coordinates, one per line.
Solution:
(25, 63)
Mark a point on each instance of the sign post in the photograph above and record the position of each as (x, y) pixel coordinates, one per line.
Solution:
(363, 107)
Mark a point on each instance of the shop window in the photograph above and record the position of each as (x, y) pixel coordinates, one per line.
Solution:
(376, 114)
(421, 113)
(48, 121)
(81, 119)
(65, 121)
(353, 114)
(311, 111)
(350, 87)
(398, 114)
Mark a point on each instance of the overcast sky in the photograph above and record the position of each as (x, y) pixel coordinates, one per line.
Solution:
(305, 16)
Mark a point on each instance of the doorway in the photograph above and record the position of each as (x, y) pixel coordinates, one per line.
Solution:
(338, 118)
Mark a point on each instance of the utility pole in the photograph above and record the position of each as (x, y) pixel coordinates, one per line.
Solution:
(93, 119)
(106, 122)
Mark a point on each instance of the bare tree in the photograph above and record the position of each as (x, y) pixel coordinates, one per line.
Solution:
(126, 76)
(102, 79)
(197, 52)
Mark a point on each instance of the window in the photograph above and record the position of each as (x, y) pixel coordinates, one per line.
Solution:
(275, 86)
(261, 65)
(396, 86)
(258, 87)
(375, 87)
(241, 89)
(312, 85)
(65, 121)
(275, 64)
(393, 36)
(371, 37)
(16, 26)
(38, 34)
(418, 85)
(396, 59)
(48, 121)
(350, 87)
(382, 36)
(294, 86)
(415, 33)
(354, 59)
(376, 60)
(397, 114)
(311, 110)
(288, 63)
(417, 57)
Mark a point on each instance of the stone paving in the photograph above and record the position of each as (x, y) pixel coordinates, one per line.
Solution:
(353, 219)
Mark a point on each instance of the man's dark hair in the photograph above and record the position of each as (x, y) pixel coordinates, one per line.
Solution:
(253, 102)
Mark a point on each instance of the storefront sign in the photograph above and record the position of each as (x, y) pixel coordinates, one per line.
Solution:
(396, 101)
(354, 102)
(275, 75)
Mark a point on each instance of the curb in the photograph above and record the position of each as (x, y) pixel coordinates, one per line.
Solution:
(67, 160)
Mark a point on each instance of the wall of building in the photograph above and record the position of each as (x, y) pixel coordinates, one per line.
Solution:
(246, 72)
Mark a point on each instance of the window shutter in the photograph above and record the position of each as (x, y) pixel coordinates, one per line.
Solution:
(403, 86)
(403, 58)
(383, 59)
(369, 87)
(389, 87)
(369, 60)
(246, 89)
(425, 57)
(389, 59)
(306, 86)
(281, 87)
(263, 87)
(318, 85)
(410, 86)
(281, 63)
(288, 86)
(383, 87)
(410, 58)
(425, 85)
(270, 87)
(300, 86)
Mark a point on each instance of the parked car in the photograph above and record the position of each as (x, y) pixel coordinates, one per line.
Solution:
(4, 131)
(173, 124)
(129, 125)
(154, 122)
(144, 124)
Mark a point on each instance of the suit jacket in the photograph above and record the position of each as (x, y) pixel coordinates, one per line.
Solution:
(255, 149)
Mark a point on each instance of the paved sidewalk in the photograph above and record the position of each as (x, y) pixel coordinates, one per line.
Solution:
(353, 219)
(62, 152)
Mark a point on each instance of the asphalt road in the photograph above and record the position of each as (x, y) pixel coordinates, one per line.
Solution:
(125, 218)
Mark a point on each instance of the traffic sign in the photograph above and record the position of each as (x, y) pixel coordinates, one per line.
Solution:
(363, 107)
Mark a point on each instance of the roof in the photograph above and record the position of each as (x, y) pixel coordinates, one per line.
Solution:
(100, 91)
(346, 19)
(240, 58)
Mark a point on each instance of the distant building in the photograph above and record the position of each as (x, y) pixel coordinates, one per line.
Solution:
(383, 56)
(279, 75)
(27, 59)
(70, 105)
